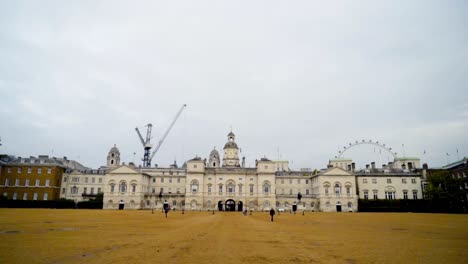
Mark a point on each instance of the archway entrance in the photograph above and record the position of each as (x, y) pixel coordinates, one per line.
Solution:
(338, 207)
(240, 206)
(230, 205)
(220, 205)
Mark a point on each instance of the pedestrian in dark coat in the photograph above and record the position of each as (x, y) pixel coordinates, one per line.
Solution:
(272, 213)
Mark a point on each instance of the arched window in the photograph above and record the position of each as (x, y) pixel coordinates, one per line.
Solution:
(337, 189)
(133, 188)
(194, 186)
(230, 188)
(123, 187)
(350, 205)
(74, 189)
(266, 187)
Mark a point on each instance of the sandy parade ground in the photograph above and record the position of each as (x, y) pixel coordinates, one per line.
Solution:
(101, 236)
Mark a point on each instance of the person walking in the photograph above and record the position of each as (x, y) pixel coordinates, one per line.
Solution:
(166, 207)
(272, 213)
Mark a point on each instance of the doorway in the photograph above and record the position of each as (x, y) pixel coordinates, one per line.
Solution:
(338, 207)
(240, 206)
(230, 205)
(220, 205)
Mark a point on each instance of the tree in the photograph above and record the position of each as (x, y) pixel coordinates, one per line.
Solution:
(445, 193)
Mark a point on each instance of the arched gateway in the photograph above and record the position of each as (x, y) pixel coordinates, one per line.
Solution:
(230, 205)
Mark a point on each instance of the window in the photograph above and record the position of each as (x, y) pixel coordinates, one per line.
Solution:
(93, 180)
(63, 190)
(405, 194)
(266, 187)
(403, 181)
(153, 190)
(389, 195)
(170, 179)
(100, 180)
(17, 182)
(348, 190)
(282, 191)
(389, 180)
(29, 171)
(74, 190)
(86, 179)
(133, 188)
(240, 188)
(154, 179)
(46, 196)
(307, 192)
(112, 187)
(290, 192)
(220, 188)
(47, 182)
(375, 195)
(194, 187)
(49, 170)
(374, 181)
(194, 166)
(290, 181)
(15, 195)
(26, 183)
(413, 180)
(415, 195)
(282, 181)
(326, 191)
(7, 182)
(337, 189)
(162, 179)
(35, 196)
(366, 195)
(39, 170)
(92, 190)
(178, 180)
(9, 170)
(364, 180)
(19, 170)
(299, 181)
(25, 196)
(251, 189)
(178, 190)
(209, 189)
(230, 187)
(85, 189)
(123, 187)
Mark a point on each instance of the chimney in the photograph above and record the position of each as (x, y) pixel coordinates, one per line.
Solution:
(329, 166)
(373, 165)
(425, 166)
(243, 162)
(349, 167)
(384, 166)
(403, 166)
(353, 166)
(367, 166)
(390, 165)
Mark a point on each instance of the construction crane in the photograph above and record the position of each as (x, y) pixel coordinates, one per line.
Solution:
(147, 143)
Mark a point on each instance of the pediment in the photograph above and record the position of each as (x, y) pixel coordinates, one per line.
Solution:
(336, 172)
(124, 169)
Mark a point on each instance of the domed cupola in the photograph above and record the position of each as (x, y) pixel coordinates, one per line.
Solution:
(214, 161)
(231, 152)
(113, 158)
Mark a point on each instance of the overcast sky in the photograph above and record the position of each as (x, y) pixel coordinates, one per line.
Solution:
(301, 77)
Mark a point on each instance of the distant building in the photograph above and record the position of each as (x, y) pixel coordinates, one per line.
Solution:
(33, 178)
